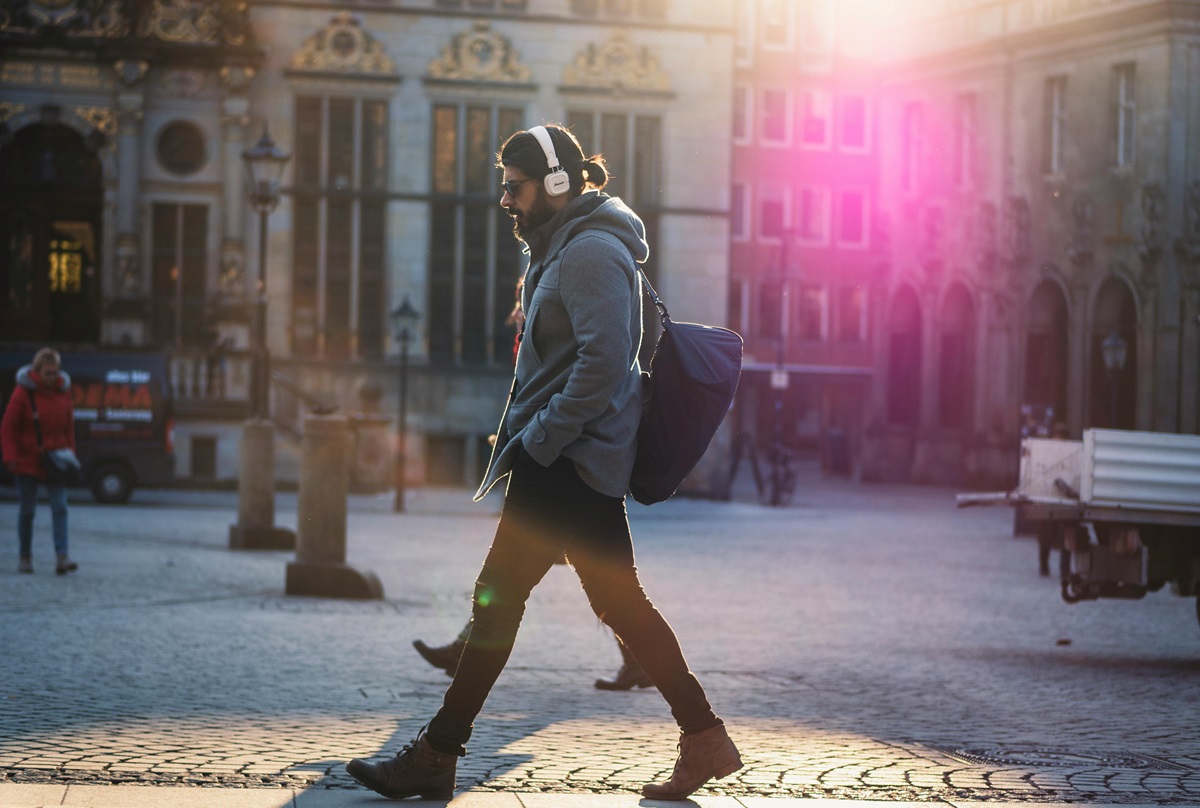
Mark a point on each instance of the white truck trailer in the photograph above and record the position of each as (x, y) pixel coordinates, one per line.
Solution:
(1125, 504)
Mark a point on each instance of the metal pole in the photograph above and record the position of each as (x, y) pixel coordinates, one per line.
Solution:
(780, 363)
(1115, 399)
(398, 503)
(262, 357)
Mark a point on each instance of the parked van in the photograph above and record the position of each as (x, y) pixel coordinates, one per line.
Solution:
(123, 416)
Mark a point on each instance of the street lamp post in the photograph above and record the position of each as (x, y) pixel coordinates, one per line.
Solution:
(1113, 350)
(404, 319)
(264, 163)
(780, 380)
(255, 528)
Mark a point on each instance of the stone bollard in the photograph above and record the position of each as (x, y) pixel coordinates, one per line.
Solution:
(320, 569)
(255, 528)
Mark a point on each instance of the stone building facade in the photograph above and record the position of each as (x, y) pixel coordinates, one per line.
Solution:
(1041, 173)
(806, 270)
(138, 112)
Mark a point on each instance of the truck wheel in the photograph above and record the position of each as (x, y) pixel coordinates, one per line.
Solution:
(112, 484)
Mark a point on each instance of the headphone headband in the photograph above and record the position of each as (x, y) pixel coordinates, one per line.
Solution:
(557, 182)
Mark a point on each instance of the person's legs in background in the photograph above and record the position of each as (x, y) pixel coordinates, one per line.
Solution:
(27, 488)
(629, 675)
(58, 515)
(444, 657)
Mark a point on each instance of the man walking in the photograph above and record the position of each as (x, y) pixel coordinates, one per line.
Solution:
(567, 443)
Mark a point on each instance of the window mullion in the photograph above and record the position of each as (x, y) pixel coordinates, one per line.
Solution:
(490, 285)
(459, 263)
(460, 227)
(355, 228)
(179, 274)
(322, 228)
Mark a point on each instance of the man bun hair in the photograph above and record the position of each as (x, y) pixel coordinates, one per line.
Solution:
(595, 172)
(522, 151)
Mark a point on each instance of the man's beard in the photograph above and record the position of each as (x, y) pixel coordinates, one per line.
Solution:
(539, 213)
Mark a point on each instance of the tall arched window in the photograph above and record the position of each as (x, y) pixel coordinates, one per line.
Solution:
(1046, 350)
(1113, 398)
(904, 359)
(51, 205)
(956, 360)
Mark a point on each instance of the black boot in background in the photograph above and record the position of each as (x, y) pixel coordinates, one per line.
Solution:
(629, 676)
(445, 657)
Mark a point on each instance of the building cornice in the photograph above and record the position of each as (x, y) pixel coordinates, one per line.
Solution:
(630, 22)
(1171, 18)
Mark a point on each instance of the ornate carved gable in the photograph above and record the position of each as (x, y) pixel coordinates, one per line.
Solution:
(71, 18)
(617, 65)
(195, 22)
(344, 48)
(480, 54)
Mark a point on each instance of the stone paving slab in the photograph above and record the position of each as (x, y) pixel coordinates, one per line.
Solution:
(866, 642)
(43, 796)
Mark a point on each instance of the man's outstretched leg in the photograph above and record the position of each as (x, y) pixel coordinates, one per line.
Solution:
(603, 558)
(517, 560)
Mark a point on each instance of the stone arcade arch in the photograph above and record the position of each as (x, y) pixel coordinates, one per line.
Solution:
(956, 360)
(1046, 344)
(904, 359)
(51, 209)
(1113, 394)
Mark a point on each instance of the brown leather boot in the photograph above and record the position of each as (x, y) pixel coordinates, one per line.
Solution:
(417, 770)
(702, 757)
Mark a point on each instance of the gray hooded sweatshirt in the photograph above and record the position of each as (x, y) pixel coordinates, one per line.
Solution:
(578, 388)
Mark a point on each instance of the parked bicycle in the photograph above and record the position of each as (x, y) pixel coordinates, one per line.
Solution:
(782, 474)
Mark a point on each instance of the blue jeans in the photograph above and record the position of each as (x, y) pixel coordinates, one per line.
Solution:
(27, 488)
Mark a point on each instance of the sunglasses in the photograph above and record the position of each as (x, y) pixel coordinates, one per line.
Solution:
(510, 186)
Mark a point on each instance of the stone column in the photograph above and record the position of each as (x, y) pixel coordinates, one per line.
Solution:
(234, 117)
(925, 447)
(255, 528)
(131, 98)
(320, 569)
(231, 283)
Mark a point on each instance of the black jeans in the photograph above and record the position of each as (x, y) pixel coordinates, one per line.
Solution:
(549, 511)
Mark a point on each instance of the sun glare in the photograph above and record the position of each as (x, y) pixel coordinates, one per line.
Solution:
(861, 22)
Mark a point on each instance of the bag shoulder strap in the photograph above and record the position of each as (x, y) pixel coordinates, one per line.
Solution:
(37, 421)
(663, 315)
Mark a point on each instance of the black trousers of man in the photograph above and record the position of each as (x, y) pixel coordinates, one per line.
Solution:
(549, 511)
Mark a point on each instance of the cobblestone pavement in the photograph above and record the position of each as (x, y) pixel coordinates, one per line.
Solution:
(865, 642)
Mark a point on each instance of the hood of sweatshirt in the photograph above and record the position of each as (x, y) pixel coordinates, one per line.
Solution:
(31, 381)
(592, 210)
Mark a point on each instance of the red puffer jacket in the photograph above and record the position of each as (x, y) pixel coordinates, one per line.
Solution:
(18, 439)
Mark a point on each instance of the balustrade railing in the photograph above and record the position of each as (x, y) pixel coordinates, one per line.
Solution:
(220, 378)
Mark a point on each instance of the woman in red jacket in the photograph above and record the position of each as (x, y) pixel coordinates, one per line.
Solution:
(45, 383)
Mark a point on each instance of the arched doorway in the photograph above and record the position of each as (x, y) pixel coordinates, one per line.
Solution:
(904, 359)
(51, 199)
(1046, 351)
(1112, 401)
(956, 360)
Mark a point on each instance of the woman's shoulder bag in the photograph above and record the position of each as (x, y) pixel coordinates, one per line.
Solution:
(60, 465)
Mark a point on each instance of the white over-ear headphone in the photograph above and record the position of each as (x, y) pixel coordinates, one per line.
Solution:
(557, 182)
